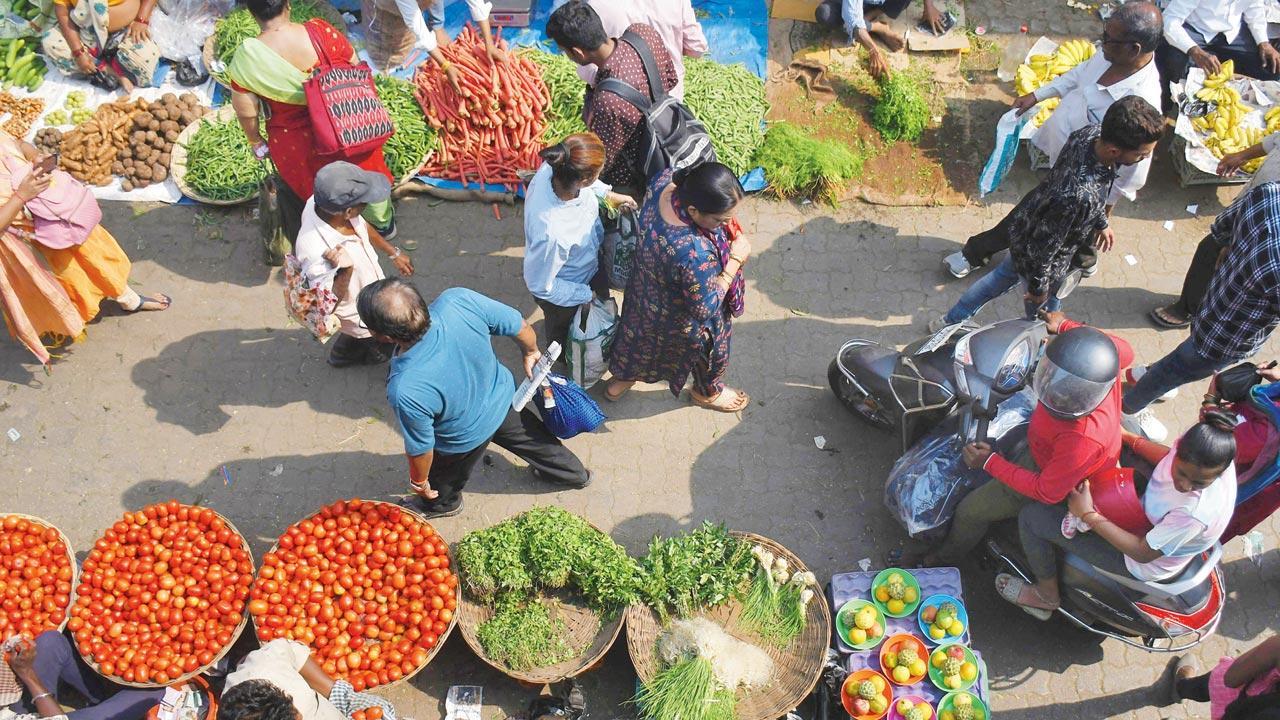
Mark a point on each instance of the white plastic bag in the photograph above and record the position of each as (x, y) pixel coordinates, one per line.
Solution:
(1008, 135)
(180, 27)
(590, 340)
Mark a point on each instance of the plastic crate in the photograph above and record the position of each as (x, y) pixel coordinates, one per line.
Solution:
(1189, 174)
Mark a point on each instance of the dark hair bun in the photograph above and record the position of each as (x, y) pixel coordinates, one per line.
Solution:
(1219, 419)
(555, 155)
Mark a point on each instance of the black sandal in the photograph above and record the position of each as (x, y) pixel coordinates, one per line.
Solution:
(1164, 319)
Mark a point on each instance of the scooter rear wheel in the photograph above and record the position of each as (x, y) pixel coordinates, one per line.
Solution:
(863, 406)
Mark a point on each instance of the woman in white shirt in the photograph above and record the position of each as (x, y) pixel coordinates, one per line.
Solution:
(1189, 502)
(429, 34)
(562, 230)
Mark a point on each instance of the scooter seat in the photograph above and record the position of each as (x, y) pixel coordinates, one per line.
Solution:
(1187, 581)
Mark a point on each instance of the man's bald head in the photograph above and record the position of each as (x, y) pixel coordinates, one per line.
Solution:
(394, 309)
(1138, 22)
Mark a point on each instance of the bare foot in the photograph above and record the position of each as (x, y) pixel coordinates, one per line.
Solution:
(887, 36)
(617, 388)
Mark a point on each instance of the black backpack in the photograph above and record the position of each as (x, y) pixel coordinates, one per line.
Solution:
(674, 138)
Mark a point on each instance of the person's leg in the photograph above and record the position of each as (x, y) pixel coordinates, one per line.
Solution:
(128, 704)
(58, 52)
(348, 350)
(139, 59)
(556, 322)
(1242, 52)
(980, 248)
(1196, 282)
(56, 662)
(435, 15)
(1172, 64)
(999, 281)
(992, 502)
(1194, 688)
(1174, 370)
(1040, 530)
(448, 475)
(524, 434)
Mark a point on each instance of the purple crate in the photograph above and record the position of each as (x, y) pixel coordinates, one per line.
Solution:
(925, 688)
(848, 586)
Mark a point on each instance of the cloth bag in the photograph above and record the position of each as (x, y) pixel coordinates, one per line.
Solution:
(274, 221)
(346, 114)
(618, 245)
(64, 214)
(591, 340)
(311, 306)
(1008, 136)
(566, 408)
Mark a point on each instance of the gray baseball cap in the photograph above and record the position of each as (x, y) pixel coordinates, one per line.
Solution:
(340, 185)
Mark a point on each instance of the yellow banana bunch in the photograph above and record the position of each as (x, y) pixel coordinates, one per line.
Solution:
(1252, 166)
(1272, 119)
(1220, 78)
(1040, 69)
(1046, 109)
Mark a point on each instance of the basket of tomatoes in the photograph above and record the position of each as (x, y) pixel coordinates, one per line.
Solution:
(367, 585)
(37, 576)
(162, 594)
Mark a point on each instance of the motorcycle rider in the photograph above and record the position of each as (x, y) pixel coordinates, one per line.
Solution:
(1074, 432)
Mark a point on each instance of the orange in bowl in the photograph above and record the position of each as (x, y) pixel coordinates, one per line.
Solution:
(879, 703)
(897, 661)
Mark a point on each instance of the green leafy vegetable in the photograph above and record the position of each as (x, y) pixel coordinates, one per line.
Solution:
(730, 102)
(686, 690)
(901, 113)
(798, 165)
(220, 162)
(522, 635)
(698, 570)
(238, 25)
(405, 150)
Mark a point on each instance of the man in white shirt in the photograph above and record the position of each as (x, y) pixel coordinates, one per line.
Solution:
(429, 33)
(1207, 32)
(673, 19)
(1126, 66)
(282, 676)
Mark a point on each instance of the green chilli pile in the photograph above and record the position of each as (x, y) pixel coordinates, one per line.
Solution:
(238, 25)
(220, 162)
(560, 74)
(730, 102)
(405, 150)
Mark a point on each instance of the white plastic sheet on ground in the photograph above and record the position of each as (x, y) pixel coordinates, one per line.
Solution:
(1258, 96)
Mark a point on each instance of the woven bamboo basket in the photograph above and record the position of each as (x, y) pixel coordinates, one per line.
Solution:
(431, 654)
(71, 556)
(797, 667)
(235, 634)
(585, 628)
(178, 159)
(327, 11)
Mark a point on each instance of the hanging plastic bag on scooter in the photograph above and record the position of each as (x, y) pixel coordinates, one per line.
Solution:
(929, 480)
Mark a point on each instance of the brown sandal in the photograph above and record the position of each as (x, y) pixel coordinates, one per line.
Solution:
(615, 397)
(738, 402)
(1164, 317)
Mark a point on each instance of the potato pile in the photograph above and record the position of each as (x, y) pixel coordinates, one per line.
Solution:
(145, 159)
(89, 150)
(49, 140)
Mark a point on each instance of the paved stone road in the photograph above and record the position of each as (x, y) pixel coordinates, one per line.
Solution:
(156, 406)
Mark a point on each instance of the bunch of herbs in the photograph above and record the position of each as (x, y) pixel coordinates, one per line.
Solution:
(902, 112)
(685, 690)
(695, 571)
(522, 635)
(801, 166)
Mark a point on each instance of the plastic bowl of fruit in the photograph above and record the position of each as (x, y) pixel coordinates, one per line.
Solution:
(861, 624)
(904, 659)
(943, 619)
(953, 667)
(866, 695)
(962, 706)
(896, 592)
(910, 707)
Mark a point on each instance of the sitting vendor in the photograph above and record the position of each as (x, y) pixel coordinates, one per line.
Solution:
(1074, 433)
(114, 37)
(865, 18)
(1208, 32)
(429, 34)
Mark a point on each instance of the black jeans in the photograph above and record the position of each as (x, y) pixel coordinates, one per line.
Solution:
(979, 249)
(1243, 52)
(1196, 688)
(349, 350)
(521, 433)
(1196, 282)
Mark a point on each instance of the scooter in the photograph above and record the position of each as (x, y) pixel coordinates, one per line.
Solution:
(959, 376)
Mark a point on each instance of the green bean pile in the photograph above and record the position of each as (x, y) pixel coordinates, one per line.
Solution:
(220, 162)
(730, 101)
(564, 116)
(239, 25)
(413, 138)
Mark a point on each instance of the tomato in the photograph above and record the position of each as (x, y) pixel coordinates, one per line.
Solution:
(35, 575)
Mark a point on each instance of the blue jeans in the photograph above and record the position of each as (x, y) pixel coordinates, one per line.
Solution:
(56, 662)
(1185, 364)
(999, 281)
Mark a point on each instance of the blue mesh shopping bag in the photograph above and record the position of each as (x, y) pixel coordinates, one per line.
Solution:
(566, 408)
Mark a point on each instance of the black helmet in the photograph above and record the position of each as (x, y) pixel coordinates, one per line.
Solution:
(1077, 371)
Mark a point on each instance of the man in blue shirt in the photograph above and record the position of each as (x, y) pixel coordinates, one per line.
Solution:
(450, 394)
(864, 18)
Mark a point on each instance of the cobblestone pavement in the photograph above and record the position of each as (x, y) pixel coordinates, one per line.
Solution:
(157, 406)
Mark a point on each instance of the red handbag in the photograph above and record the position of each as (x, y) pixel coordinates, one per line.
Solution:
(346, 114)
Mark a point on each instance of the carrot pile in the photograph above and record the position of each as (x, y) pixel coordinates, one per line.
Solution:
(494, 128)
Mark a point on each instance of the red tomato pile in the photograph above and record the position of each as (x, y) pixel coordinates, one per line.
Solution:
(161, 593)
(35, 577)
(365, 585)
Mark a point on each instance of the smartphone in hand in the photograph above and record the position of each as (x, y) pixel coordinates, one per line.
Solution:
(48, 164)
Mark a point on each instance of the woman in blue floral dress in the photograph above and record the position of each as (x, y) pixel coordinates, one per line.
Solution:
(685, 289)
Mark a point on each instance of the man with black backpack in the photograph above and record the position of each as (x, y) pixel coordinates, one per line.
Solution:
(643, 128)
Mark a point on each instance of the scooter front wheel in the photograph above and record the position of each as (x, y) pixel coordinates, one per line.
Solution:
(863, 406)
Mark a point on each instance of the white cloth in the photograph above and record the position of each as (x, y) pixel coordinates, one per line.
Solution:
(424, 37)
(7, 714)
(1269, 170)
(562, 240)
(1085, 102)
(674, 21)
(1186, 524)
(315, 237)
(1211, 17)
(278, 662)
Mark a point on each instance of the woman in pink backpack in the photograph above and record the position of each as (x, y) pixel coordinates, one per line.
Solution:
(45, 209)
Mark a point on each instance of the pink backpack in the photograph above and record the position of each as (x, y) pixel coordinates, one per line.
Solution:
(65, 213)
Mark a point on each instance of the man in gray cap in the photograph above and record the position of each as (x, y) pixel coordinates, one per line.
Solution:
(336, 248)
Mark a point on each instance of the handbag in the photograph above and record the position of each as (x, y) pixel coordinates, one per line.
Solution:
(590, 340)
(346, 114)
(618, 245)
(64, 214)
(273, 223)
(566, 408)
(311, 306)
(1235, 383)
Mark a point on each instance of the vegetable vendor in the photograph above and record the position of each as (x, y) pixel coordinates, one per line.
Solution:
(864, 19)
(112, 36)
(1207, 32)
(429, 34)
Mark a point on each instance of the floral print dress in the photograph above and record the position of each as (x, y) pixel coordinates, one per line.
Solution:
(675, 320)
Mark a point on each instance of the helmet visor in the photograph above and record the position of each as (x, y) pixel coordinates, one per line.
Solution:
(1065, 394)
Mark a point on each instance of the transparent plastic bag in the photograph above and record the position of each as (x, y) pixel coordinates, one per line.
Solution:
(181, 27)
(930, 480)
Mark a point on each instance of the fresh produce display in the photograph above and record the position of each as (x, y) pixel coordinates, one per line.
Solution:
(496, 127)
(913, 709)
(863, 623)
(1224, 127)
(896, 591)
(900, 113)
(701, 569)
(522, 635)
(35, 577)
(800, 166)
(48, 140)
(942, 620)
(72, 112)
(25, 111)
(730, 102)
(703, 668)
(161, 594)
(26, 9)
(1043, 68)
(20, 66)
(904, 659)
(405, 150)
(961, 706)
(560, 75)
(238, 25)
(91, 148)
(220, 162)
(366, 585)
(145, 160)
(953, 667)
(866, 694)
(776, 604)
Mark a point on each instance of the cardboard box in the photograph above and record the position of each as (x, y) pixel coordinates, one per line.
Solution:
(794, 9)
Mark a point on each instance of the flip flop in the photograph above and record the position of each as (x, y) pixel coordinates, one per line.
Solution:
(615, 397)
(1010, 588)
(1161, 317)
(739, 403)
(164, 301)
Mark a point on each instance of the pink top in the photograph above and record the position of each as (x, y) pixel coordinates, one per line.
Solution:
(1220, 696)
(673, 19)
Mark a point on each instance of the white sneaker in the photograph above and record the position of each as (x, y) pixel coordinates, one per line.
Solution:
(1145, 422)
(957, 265)
(1089, 271)
(1135, 374)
